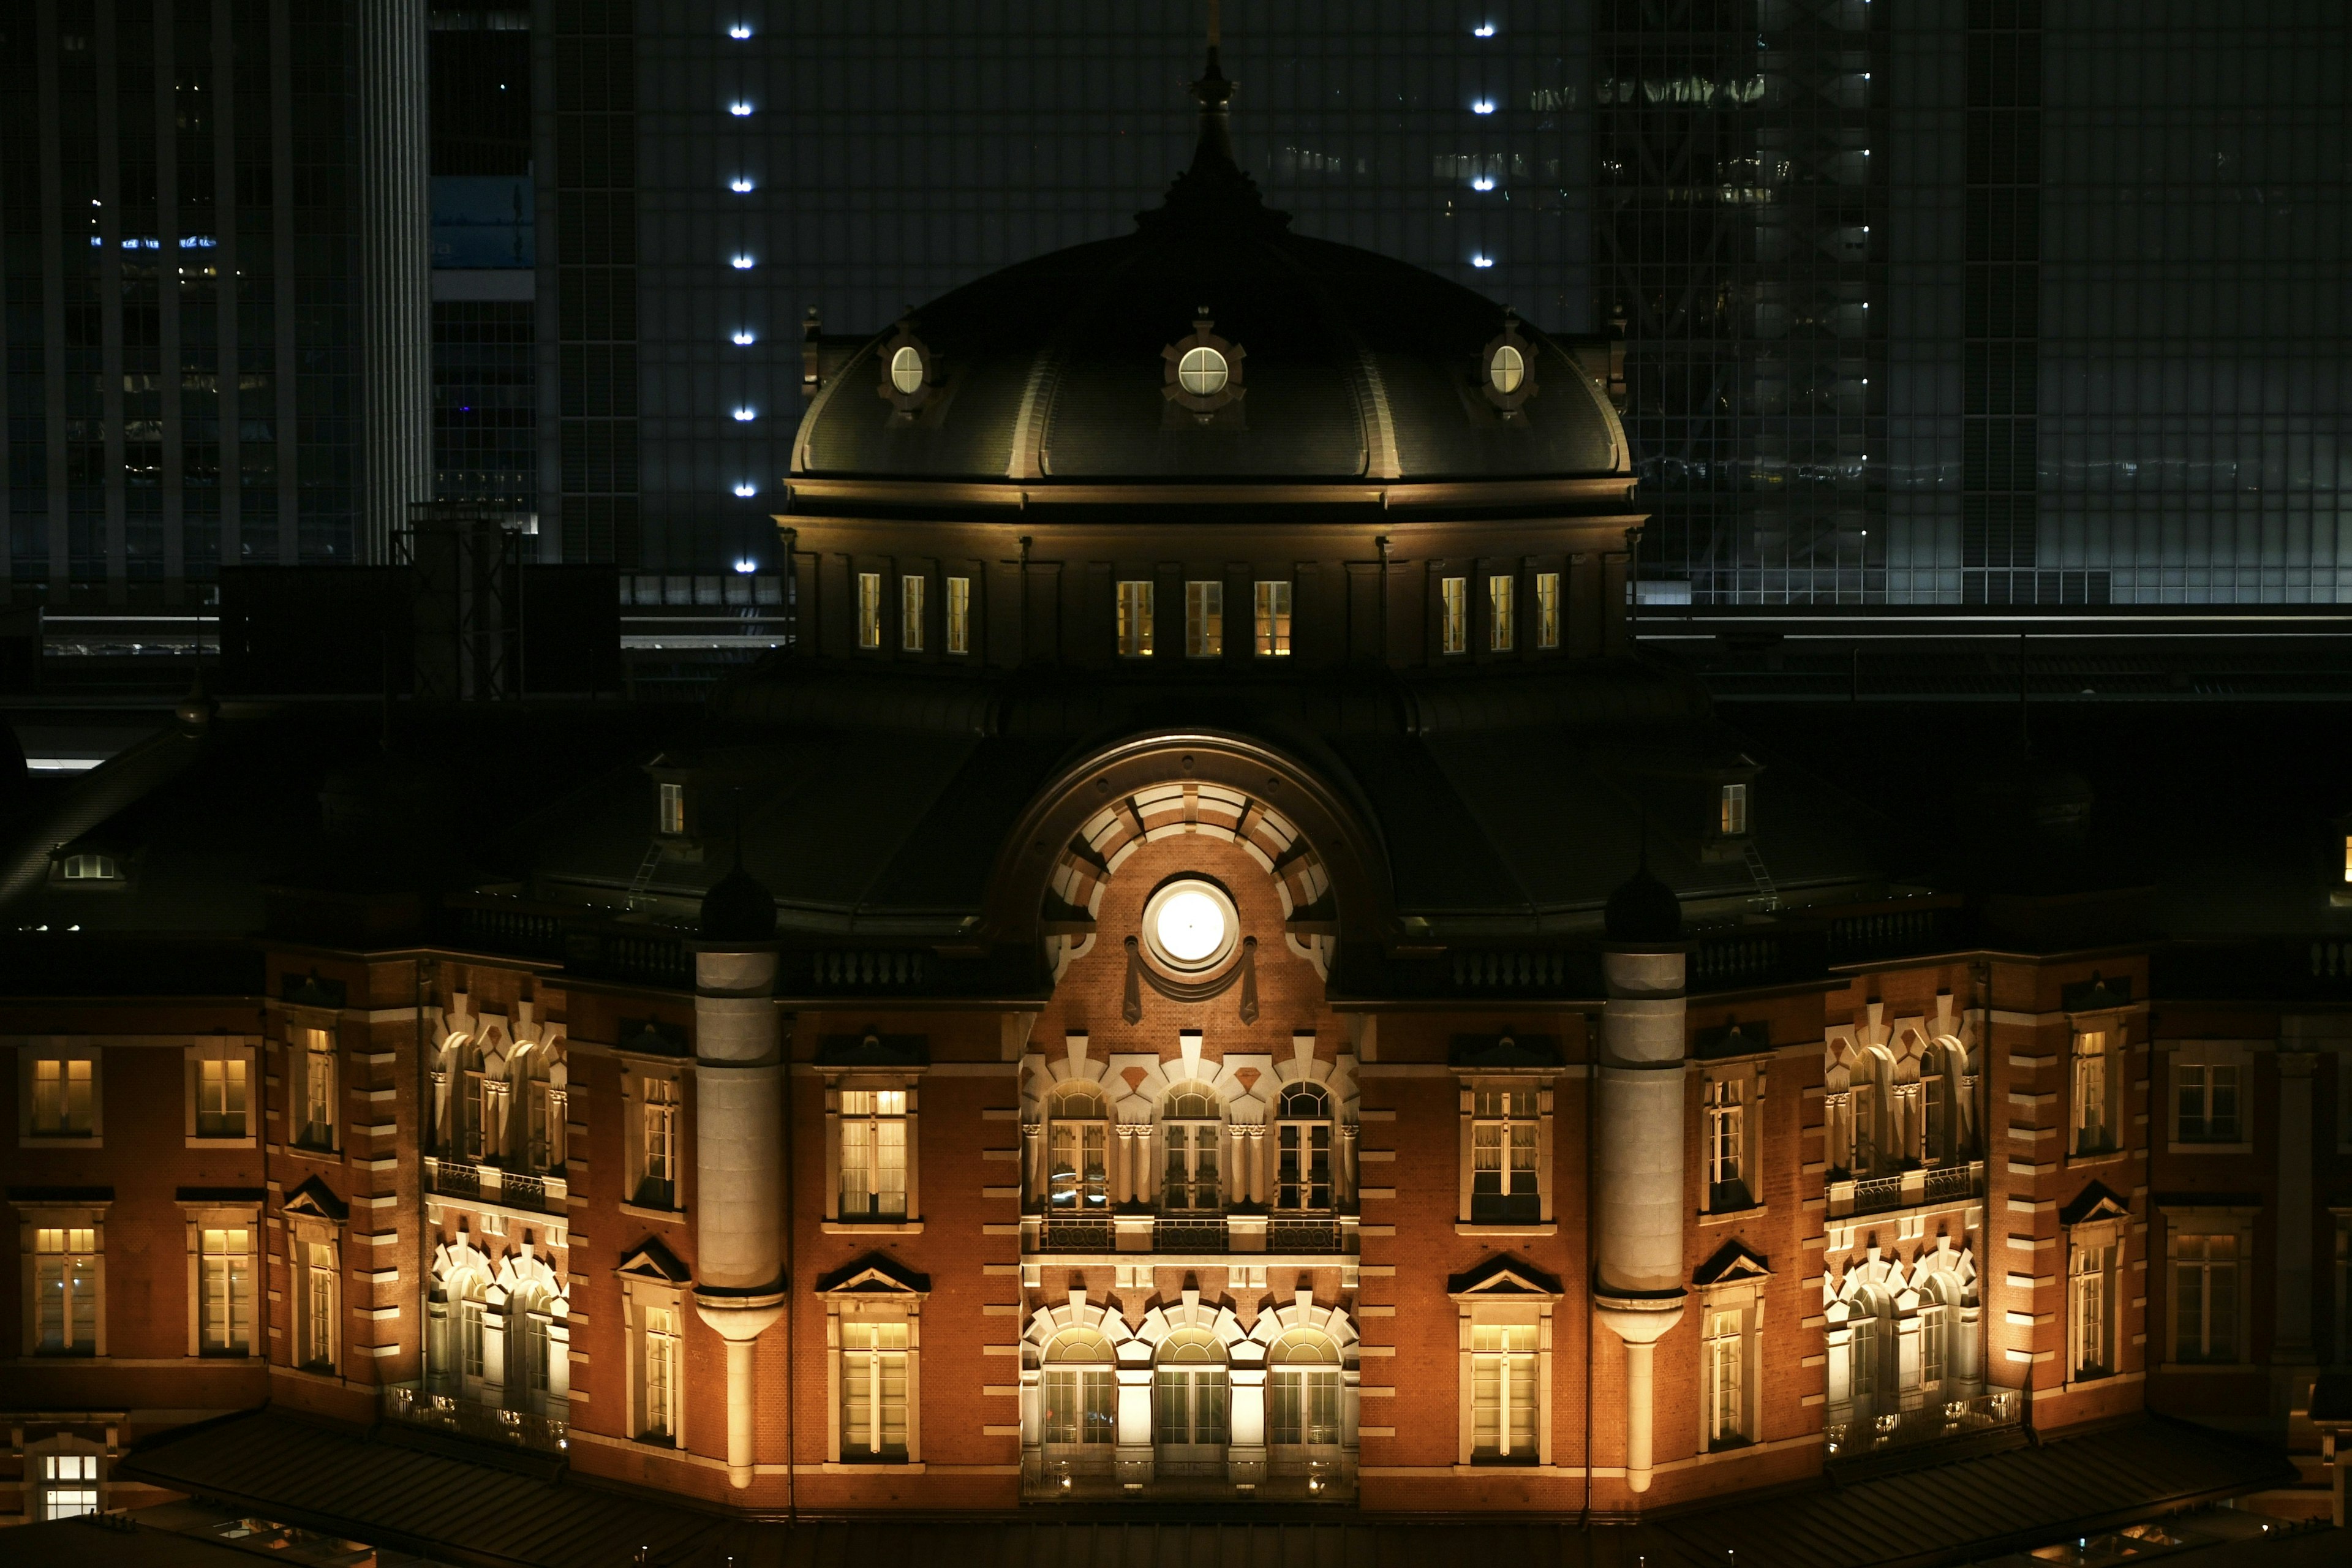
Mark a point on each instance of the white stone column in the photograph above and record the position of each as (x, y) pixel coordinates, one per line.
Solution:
(738, 1174)
(1638, 1256)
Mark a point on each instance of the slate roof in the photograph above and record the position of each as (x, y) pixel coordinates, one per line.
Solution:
(431, 1502)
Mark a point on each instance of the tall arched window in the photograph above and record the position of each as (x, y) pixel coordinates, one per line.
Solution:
(469, 1100)
(1937, 1106)
(1193, 1126)
(528, 1321)
(1838, 1115)
(543, 1111)
(1934, 1337)
(1188, 1402)
(1302, 1177)
(1872, 1155)
(1871, 1354)
(1078, 1152)
(1078, 1410)
(1302, 1391)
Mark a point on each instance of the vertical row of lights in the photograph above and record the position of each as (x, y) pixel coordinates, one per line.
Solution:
(743, 184)
(1482, 106)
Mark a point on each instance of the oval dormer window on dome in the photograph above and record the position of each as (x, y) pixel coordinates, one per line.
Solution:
(907, 370)
(1506, 369)
(1203, 373)
(1508, 365)
(909, 373)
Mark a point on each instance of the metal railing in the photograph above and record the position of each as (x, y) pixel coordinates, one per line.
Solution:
(1930, 1423)
(1206, 1234)
(1907, 1189)
(1076, 1235)
(473, 1182)
(1302, 1235)
(411, 1405)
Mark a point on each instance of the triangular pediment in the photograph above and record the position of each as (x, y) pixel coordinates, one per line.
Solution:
(875, 1274)
(2097, 1202)
(1504, 1278)
(1731, 1264)
(316, 1200)
(652, 1260)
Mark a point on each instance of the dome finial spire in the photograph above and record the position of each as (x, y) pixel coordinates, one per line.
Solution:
(1214, 184)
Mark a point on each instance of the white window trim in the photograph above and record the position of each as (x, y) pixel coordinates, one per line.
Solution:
(1472, 1084)
(2216, 1219)
(1547, 610)
(2114, 1032)
(296, 1079)
(635, 1073)
(1746, 1299)
(1749, 1080)
(61, 1047)
(896, 1305)
(223, 1048)
(36, 1486)
(217, 1214)
(2208, 1053)
(908, 1079)
(38, 1214)
(302, 1233)
(1521, 1305)
(638, 1295)
(2113, 1235)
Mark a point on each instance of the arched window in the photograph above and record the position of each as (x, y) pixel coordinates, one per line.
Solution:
(1838, 1105)
(528, 1320)
(1188, 1399)
(1870, 1355)
(1193, 1126)
(1302, 1177)
(1935, 1106)
(1078, 1152)
(543, 1111)
(1872, 1154)
(1935, 1336)
(1079, 1407)
(470, 1102)
(1302, 1391)
(458, 1358)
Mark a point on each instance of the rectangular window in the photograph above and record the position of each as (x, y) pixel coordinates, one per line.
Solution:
(469, 1337)
(2090, 1305)
(1077, 1166)
(1547, 609)
(1501, 628)
(2207, 1102)
(1504, 1181)
(1727, 1143)
(1302, 1406)
(2094, 1128)
(1190, 1406)
(224, 1284)
(1935, 1343)
(1454, 608)
(220, 1096)
(315, 1052)
(90, 868)
(673, 808)
(1204, 620)
(2205, 1298)
(1270, 637)
(910, 613)
(1503, 1392)
(1302, 1175)
(1726, 1356)
(869, 609)
(1732, 818)
(68, 1485)
(657, 1145)
(65, 1289)
(657, 1348)
(1135, 620)
(872, 1391)
(1080, 1406)
(318, 1305)
(958, 615)
(874, 1153)
(61, 1097)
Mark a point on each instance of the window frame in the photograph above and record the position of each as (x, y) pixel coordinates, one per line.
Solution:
(1087, 1196)
(1732, 809)
(204, 1220)
(1502, 612)
(870, 612)
(2095, 1062)
(1132, 619)
(913, 588)
(1086, 1436)
(2205, 1059)
(44, 1458)
(1200, 1135)
(643, 1295)
(306, 1062)
(1272, 622)
(1286, 1124)
(872, 1295)
(2094, 1268)
(2204, 1223)
(33, 1216)
(652, 1088)
(669, 808)
(1542, 1125)
(958, 606)
(1204, 617)
(1452, 615)
(1731, 1332)
(1547, 611)
(226, 1053)
(63, 1050)
(1504, 1293)
(906, 1082)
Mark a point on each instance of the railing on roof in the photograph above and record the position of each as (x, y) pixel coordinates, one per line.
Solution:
(1896, 930)
(1930, 1423)
(869, 969)
(1497, 970)
(584, 941)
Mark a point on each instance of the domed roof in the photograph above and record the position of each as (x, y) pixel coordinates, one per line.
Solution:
(1342, 363)
(738, 907)
(1642, 910)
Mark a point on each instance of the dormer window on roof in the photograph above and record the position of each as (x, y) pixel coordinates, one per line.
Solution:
(907, 370)
(1204, 371)
(1201, 372)
(1506, 369)
(909, 373)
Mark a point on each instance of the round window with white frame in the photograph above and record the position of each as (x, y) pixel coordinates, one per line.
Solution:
(909, 373)
(1507, 369)
(1190, 925)
(1203, 371)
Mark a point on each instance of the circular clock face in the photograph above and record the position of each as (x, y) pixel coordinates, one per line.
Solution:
(1191, 924)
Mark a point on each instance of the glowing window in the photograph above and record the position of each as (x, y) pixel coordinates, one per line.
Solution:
(1135, 620)
(1733, 816)
(1203, 371)
(910, 614)
(1190, 925)
(1547, 609)
(907, 371)
(958, 615)
(869, 609)
(1204, 620)
(1453, 593)
(1507, 370)
(1502, 630)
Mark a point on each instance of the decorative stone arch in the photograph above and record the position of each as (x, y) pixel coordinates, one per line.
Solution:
(1048, 884)
(1131, 1367)
(461, 1271)
(535, 1306)
(1945, 1275)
